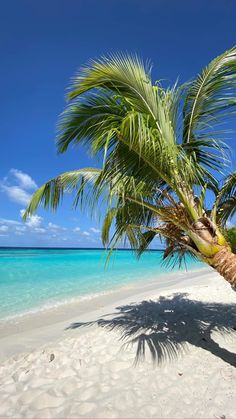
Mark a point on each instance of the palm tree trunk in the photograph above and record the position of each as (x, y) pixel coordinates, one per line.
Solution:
(224, 262)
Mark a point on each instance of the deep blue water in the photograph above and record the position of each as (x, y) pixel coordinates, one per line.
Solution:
(31, 279)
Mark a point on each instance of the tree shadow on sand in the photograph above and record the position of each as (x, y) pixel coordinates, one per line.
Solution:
(167, 325)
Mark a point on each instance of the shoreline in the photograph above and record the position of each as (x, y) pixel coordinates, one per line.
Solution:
(51, 306)
(140, 283)
(34, 329)
(38, 280)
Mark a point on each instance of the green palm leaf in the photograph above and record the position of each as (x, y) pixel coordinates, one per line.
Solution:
(51, 193)
(161, 151)
(210, 96)
(225, 204)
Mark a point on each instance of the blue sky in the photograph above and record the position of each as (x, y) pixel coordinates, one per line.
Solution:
(43, 43)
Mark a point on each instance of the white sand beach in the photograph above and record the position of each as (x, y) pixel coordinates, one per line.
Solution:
(176, 358)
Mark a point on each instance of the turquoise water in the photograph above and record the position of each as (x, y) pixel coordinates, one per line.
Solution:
(33, 279)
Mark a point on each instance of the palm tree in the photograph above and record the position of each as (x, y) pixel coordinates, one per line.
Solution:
(163, 156)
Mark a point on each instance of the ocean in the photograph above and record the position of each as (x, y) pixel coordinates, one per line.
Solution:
(36, 279)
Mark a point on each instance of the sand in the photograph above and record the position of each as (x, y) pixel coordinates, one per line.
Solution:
(162, 349)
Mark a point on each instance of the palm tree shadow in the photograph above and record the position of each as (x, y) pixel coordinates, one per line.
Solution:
(167, 325)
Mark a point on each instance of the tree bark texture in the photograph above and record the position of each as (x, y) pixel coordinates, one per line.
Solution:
(224, 262)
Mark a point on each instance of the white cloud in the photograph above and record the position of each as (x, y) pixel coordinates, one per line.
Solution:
(16, 194)
(16, 184)
(11, 226)
(10, 222)
(4, 228)
(54, 227)
(32, 225)
(24, 180)
(3, 235)
(20, 228)
(33, 221)
(76, 229)
(95, 230)
(86, 233)
(39, 230)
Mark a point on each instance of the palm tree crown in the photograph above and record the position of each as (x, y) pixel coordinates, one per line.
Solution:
(161, 148)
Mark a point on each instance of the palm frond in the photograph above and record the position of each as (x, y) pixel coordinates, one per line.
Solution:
(126, 132)
(224, 206)
(88, 121)
(226, 210)
(209, 95)
(51, 193)
(122, 74)
(209, 103)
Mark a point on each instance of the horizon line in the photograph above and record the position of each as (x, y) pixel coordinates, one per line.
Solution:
(73, 248)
